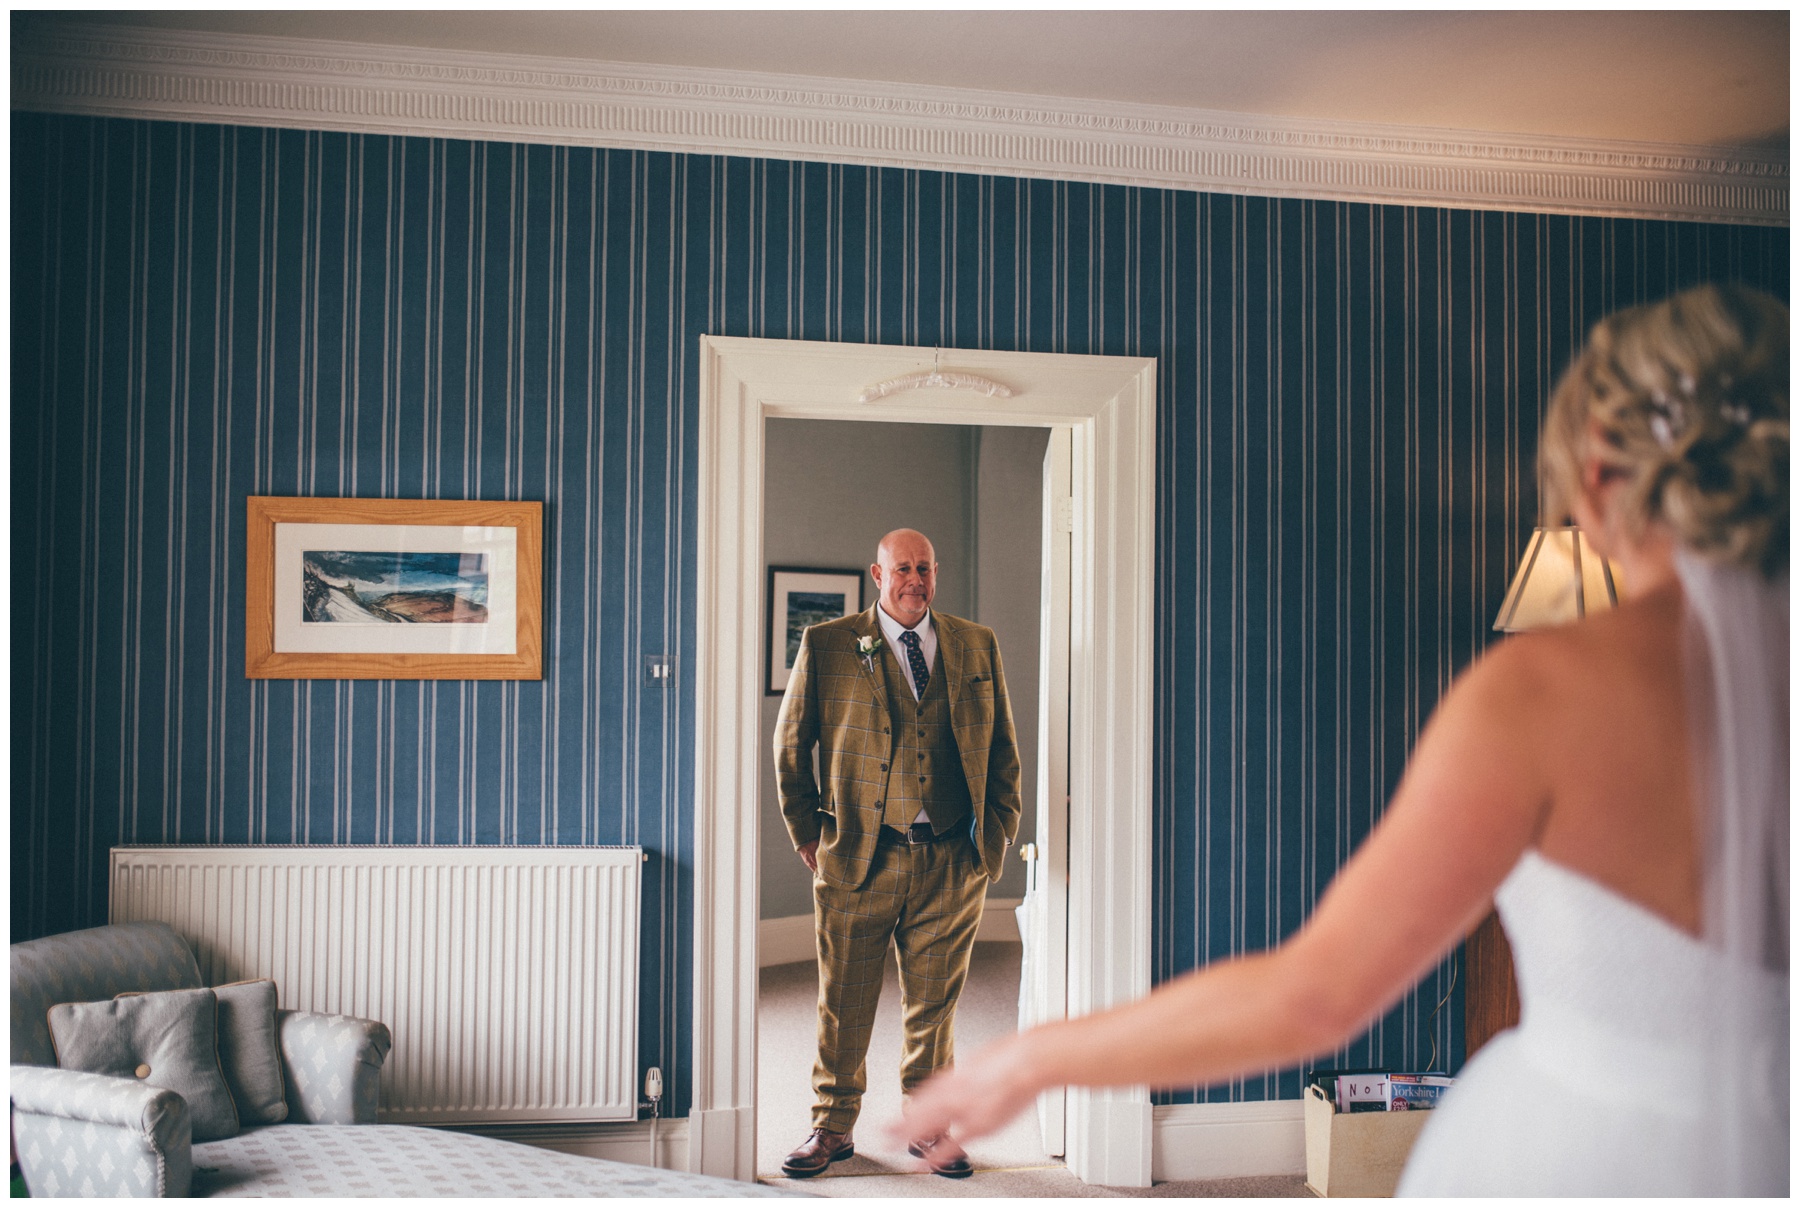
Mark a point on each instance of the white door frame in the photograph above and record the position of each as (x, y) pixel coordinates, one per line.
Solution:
(1108, 404)
(1046, 904)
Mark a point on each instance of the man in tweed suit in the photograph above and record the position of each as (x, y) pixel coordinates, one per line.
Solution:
(919, 799)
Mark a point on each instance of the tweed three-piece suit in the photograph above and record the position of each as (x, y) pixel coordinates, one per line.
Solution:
(883, 756)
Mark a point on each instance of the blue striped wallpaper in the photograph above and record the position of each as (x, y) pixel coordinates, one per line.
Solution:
(1349, 401)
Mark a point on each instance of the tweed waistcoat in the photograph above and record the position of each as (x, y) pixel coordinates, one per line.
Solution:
(926, 771)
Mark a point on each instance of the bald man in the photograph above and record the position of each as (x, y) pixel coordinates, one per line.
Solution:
(907, 709)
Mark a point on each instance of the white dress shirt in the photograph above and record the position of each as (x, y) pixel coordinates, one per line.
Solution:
(927, 631)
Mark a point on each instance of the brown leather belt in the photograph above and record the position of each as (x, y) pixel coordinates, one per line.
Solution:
(916, 835)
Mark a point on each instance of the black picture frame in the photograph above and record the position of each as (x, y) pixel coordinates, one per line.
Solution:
(787, 616)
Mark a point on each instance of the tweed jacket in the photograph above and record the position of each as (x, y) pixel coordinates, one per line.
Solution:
(840, 705)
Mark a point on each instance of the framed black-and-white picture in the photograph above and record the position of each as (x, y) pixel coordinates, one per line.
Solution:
(800, 596)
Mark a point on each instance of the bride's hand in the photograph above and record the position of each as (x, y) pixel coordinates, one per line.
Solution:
(976, 1096)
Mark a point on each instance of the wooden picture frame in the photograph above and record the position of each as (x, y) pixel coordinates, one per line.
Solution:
(789, 611)
(393, 589)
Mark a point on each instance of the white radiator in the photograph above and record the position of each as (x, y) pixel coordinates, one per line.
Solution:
(508, 975)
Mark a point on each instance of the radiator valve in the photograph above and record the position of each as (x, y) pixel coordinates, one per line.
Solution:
(653, 1101)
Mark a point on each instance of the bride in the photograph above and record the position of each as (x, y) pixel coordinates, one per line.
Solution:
(1618, 788)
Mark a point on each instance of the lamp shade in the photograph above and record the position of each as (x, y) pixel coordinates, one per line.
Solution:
(1560, 579)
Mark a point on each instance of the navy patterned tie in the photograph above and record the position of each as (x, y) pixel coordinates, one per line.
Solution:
(915, 660)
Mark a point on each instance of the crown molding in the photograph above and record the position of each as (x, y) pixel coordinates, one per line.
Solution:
(107, 71)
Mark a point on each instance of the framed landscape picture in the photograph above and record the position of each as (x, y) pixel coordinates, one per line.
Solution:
(800, 596)
(393, 589)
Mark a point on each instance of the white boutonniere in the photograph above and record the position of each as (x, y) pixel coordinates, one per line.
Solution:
(867, 649)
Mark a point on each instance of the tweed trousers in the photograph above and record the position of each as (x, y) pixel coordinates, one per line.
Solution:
(927, 901)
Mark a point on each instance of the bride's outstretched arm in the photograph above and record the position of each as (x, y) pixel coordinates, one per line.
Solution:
(1469, 804)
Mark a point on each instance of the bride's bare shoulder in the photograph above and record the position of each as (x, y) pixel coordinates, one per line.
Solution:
(1606, 654)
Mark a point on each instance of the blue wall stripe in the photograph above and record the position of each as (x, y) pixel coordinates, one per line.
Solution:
(1348, 404)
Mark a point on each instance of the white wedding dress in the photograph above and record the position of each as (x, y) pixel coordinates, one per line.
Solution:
(1647, 1061)
(1612, 1083)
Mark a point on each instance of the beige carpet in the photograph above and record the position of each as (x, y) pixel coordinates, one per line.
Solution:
(1010, 1164)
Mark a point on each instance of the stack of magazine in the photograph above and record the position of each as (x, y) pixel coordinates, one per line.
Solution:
(1380, 1090)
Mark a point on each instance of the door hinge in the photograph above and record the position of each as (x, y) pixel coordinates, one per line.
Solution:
(1065, 514)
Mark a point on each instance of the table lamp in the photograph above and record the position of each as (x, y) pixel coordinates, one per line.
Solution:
(1560, 579)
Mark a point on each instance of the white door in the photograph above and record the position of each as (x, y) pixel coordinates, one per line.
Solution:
(1044, 916)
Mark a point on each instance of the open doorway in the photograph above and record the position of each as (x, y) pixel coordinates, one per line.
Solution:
(831, 489)
(1105, 408)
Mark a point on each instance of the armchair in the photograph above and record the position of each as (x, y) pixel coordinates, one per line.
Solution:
(91, 1134)
(82, 1134)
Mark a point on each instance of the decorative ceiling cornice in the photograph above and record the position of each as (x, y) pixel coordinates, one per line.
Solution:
(286, 82)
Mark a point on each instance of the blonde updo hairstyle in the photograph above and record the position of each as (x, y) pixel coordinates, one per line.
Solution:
(1686, 401)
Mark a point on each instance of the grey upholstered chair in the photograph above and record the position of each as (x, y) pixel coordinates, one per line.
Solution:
(97, 1135)
(81, 1134)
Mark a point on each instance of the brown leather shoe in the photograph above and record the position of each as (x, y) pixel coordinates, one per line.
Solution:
(820, 1149)
(944, 1157)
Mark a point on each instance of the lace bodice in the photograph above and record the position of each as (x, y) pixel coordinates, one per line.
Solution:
(1613, 1083)
(1608, 988)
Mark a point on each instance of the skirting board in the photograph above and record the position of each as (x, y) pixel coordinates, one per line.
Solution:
(614, 1142)
(1228, 1140)
(785, 940)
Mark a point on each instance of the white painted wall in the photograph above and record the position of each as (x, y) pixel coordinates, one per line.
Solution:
(1008, 590)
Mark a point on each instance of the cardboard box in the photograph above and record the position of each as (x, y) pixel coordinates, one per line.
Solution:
(1356, 1154)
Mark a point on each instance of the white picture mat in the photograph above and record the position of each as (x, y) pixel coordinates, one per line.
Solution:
(786, 583)
(498, 635)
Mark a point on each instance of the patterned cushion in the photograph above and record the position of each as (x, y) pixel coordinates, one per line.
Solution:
(248, 1052)
(169, 1039)
(85, 966)
(400, 1160)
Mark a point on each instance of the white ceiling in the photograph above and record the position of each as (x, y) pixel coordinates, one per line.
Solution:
(1717, 78)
